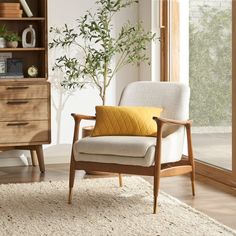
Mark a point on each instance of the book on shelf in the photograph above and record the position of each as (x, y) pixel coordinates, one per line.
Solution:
(2, 66)
(10, 10)
(9, 6)
(11, 76)
(11, 14)
(5, 55)
(26, 8)
(3, 61)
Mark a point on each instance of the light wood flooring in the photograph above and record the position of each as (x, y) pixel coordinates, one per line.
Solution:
(215, 149)
(211, 198)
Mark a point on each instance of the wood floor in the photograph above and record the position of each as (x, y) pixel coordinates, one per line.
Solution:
(214, 148)
(211, 198)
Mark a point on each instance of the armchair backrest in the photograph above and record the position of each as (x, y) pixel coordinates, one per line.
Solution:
(172, 97)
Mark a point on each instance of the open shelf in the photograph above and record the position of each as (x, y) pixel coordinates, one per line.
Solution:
(38, 55)
(20, 49)
(23, 80)
(24, 18)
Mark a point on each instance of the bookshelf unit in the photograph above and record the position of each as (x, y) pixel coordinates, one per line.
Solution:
(25, 102)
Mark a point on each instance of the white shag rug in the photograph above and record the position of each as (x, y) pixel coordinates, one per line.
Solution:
(99, 207)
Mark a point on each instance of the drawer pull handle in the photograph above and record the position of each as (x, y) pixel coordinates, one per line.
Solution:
(18, 124)
(17, 87)
(17, 102)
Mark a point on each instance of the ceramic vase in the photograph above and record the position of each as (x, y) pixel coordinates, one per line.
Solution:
(32, 36)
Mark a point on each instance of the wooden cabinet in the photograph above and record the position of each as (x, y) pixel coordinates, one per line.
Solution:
(25, 102)
(24, 113)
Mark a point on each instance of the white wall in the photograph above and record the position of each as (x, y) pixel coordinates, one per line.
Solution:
(184, 41)
(84, 101)
(149, 16)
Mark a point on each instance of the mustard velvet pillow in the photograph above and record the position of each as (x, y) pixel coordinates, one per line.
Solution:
(122, 120)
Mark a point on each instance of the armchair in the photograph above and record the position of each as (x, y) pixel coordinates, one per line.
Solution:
(151, 156)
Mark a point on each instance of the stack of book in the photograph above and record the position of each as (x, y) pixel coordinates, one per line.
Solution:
(10, 10)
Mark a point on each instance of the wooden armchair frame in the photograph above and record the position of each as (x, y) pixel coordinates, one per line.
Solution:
(157, 170)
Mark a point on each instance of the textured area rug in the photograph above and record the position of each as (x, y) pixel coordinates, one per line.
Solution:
(99, 207)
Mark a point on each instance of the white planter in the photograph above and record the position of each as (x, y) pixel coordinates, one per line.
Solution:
(2, 43)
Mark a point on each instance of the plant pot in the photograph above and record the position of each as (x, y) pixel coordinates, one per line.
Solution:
(2, 43)
(12, 44)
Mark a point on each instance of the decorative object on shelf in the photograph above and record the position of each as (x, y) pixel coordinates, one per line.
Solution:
(32, 71)
(5, 55)
(15, 66)
(26, 8)
(97, 66)
(3, 32)
(10, 10)
(30, 30)
(2, 66)
(12, 40)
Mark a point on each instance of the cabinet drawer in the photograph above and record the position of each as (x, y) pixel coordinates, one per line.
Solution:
(34, 109)
(24, 132)
(24, 91)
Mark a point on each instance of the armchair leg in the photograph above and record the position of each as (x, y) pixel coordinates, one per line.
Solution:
(155, 205)
(155, 193)
(120, 180)
(70, 195)
(71, 183)
(191, 157)
(193, 182)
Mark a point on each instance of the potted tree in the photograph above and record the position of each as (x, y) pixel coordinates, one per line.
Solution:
(101, 54)
(12, 40)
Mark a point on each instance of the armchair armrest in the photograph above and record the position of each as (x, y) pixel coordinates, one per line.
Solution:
(172, 125)
(186, 123)
(174, 122)
(77, 119)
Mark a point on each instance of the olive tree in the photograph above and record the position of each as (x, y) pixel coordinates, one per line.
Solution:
(102, 54)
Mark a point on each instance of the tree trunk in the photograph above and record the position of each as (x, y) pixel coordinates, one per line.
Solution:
(103, 100)
(104, 84)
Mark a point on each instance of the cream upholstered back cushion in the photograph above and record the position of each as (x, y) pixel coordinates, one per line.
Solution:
(172, 97)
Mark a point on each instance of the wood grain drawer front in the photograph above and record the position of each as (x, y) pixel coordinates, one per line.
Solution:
(34, 109)
(24, 91)
(24, 132)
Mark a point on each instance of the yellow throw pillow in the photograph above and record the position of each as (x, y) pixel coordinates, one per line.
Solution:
(124, 120)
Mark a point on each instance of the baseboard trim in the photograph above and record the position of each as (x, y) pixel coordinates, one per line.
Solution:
(16, 161)
(25, 161)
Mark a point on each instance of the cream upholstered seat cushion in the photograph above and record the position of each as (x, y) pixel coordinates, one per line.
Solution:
(132, 146)
(128, 150)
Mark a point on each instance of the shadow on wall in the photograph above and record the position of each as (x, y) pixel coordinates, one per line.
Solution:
(63, 154)
(15, 158)
(59, 100)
